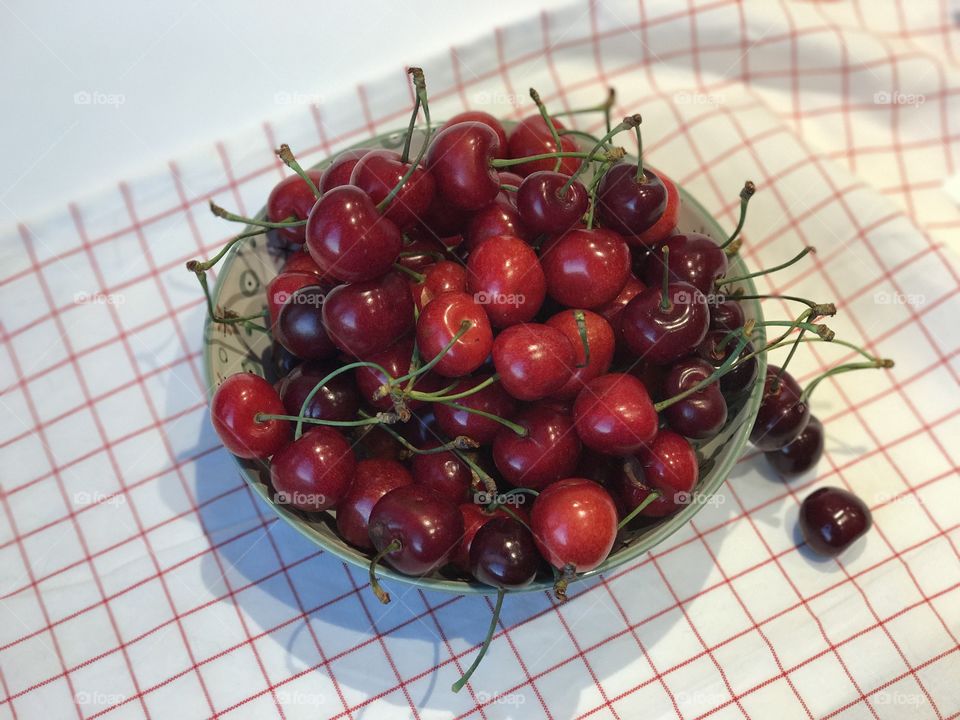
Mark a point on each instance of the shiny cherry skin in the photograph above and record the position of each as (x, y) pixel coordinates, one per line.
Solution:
(282, 361)
(441, 220)
(800, 455)
(367, 317)
(488, 120)
(586, 268)
(313, 472)
(372, 479)
(300, 327)
(727, 315)
(503, 554)
(832, 519)
(292, 198)
(445, 473)
(301, 262)
(661, 334)
(613, 310)
(427, 525)
(531, 136)
(459, 159)
(543, 209)
(740, 378)
(498, 218)
(613, 414)
(475, 516)
(493, 400)
(629, 206)
(439, 323)
(548, 452)
(666, 225)
(349, 239)
(396, 361)
(668, 466)
(337, 399)
(702, 414)
(377, 172)
(782, 416)
(234, 408)
(504, 275)
(339, 171)
(419, 253)
(533, 360)
(600, 340)
(282, 287)
(694, 259)
(574, 523)
(440, 277)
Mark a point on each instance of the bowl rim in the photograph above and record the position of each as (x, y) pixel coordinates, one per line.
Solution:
(645, 543)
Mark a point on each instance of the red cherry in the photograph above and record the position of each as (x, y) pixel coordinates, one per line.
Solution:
(378, 172)
(586, 268)
(301, 262)
(233, 409)
(668, 466)
(445, 473)
(782, 416)
(493, 399)
(613, 414)
(613, 310)
(693, 259)
(661, 334)
(543, 210)
(488, 120)
(627, 205)
(442, 220)
(439, 323)
(741, 377)
(801, 454)
(549, 451)
(533, 360)
(504, 275)
(498, 218)
(300, 327)
(531, 136)
(503, 554)
(364, 318)
(313, 472)
(339, 171)
(292, 198)
(372, 479)
(574, 522)
(726, 316)
(666, 225)
(349, 239)
(600, 340)
(336, 400)
(396, 361)
(427, 526)
(282, 287)
(459, 158)
(474, 517)
(702, 414)
(440, 277)
(832, 519)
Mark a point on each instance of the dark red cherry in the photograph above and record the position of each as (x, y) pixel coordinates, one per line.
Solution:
(613, 414)
(377, 172)
(440, 277)
(741, 377)
(627, 205)
(666, 225)
(549, 451)
(601, 343)
(445, 473)
(233, 409)
(503, 554)
(364, 318)
(543, 209)
(440, 322)
(533, 360)
(282, 287)
(668, 466)
(427, 526)
(702, 414)
(396, 361)
(801, 454)
(301, 262)
(475, 516)
(661, 334)
(282, 361)
(349, 239)
(498, 218)
(613, 310)
(337, 399)
(586, 268)
(300, 328)
(313, 472)
(782, 416)
(442, 220)
(459, 158)
(531, 136)
(510, 178)
(574, 522)
(488, 120)
(726, 315)
(375, 443)
(493, 400)
(420, 253)
(372, 479)
(505, 277)
(339, 171)
(694, 259)
(292, 198)
(832, 519)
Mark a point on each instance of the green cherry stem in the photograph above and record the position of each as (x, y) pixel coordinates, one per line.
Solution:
(420, 83)
(509, 162)
(796, 258)
(628, 122)
(509, 188)
(605, 107)
(458, 685)
(419, 277)
(233, 217)
(382, 595)
(665, 303)
(881, 363)
(518, 429)
(405, 153)
(819, 309)
(535, 96)
(594, 186)
(640, 177)
(323, 381)
(286, 154)
(246, 321)
(638, 509)
(464, 328)
(438, 396)
(748, 190)
(722, 370)
(198, 266)
(460, 442)
(581, 319)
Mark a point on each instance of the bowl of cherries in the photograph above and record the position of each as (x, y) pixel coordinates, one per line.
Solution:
(484, 356)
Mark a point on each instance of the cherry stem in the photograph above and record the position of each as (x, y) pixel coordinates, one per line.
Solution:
(286, 154)
(594, 186)
(881, 363)
(509, 162)
(722, 370)
(638, 509)
(857, 349)
(460, 442)
(518, 429)
(509, 188)
(819, 309)
(465, 326)
(627, 123)
(458, 685)
(382, 595)
(665, 303)
(489, 484)
(565, 576)
(323, 381)
(420, 84)
(246, 321)
(640, 177)
(748, 190)
(535, 96)
(605, 107)
(438, 396)
(233, 217)
(581, 319)
(378, 418)
(405, 153)
(587, 136)
(198, 266)
(821, 330)
(796, 258)
(419, 277)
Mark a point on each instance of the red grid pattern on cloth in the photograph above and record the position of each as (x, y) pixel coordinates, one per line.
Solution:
(142, 577)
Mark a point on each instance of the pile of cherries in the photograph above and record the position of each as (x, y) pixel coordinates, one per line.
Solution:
(507, 320)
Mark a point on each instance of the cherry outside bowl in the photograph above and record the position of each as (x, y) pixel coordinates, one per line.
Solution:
(241, 286)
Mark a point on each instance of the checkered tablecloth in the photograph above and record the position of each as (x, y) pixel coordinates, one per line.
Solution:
(139, 577)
